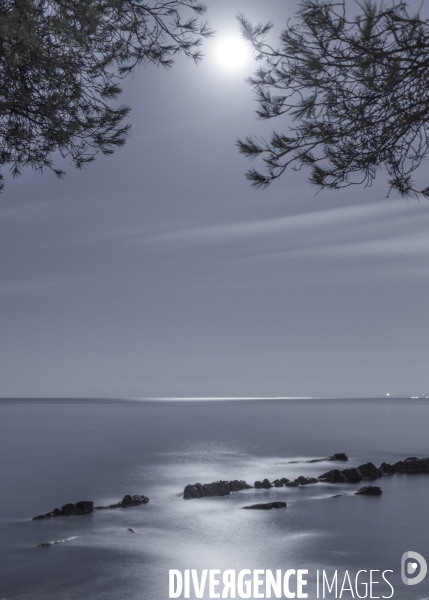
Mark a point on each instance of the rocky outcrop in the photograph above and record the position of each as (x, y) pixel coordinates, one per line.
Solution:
(262, 485)
(412, 465)
(217, 488)
(369, 490)
(351, 475)
(86, 507)
(306, 480)
(266, 506)
(332, 476)
(386, 469)
(368, 471)
(338, 456)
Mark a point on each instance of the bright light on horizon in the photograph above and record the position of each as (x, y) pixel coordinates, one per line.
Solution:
(232, 53)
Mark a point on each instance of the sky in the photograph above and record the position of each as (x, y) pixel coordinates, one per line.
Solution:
(159, 271)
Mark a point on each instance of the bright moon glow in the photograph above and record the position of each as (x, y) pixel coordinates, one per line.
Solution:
(232, 53)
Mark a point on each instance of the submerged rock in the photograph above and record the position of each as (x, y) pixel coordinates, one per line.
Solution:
(266, 506)
(370, 490)
(292, 484)
(216, 488)
(338, 495)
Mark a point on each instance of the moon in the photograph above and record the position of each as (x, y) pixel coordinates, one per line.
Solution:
(232, 53)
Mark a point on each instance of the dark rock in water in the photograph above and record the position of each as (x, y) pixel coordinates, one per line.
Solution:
(368, 471)
(351, 475)
(338, 456)
(237, 486)
(132, 530)
(412, 465)
(257, 485)
(284, 480)
(277, 483)
(266, 484)
(301, 480)
(191, 491)
(292, 484)
(135, 500)
(217, 488)
(305, 480)
(386, 469)
(85, 507)
(333, 476)
(338, 495)
(71, 510)
(411, 458)
(369, 490)
(267, 506)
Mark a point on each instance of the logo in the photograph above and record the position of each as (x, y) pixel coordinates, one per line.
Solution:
(413, 568)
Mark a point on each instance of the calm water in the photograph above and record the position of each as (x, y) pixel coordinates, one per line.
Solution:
(65, 451)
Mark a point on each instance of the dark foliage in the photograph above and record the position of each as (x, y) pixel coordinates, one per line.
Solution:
(61, 63)
(356, 90)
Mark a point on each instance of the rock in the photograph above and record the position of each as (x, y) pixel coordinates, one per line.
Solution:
(284, 480)
(237, 486)
(85, 507)
(338, 495)
(135, 500)
(292, 484)
(333, 476)
(368, 471)
(216, 488)
(267, 506)
(386, 469)
(277, 484)
(338, 456)
(351, 475)
(411, 458)
(305, 480)
(257, 485)
(301, 480)
(266, 484)
(370, 490)
(412, 465)
(191, 491)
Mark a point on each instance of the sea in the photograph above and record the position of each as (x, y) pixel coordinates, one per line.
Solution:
(55, 451)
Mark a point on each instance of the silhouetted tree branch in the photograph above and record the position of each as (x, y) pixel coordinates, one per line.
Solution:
(61, 62)
(356, 90)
